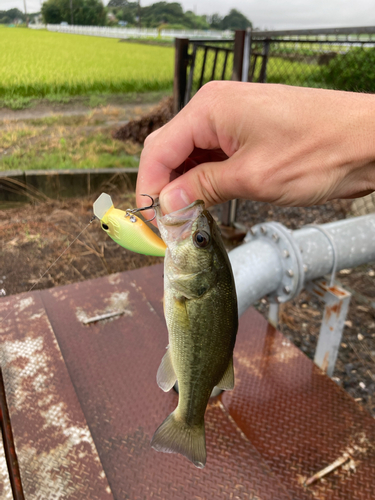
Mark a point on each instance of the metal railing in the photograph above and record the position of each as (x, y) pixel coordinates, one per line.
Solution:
(119, 32)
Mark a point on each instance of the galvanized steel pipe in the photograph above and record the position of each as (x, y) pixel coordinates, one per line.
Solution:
(277, 262)
(354, 242)
(257, 268)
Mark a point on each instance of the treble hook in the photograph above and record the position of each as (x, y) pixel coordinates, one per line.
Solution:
(152, 206)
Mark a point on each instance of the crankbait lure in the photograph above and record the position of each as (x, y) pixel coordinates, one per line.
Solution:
(127, 229)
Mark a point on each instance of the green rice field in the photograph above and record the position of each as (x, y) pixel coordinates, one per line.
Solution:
(38, 63)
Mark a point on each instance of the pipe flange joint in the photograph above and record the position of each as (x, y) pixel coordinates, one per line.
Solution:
(282, 240)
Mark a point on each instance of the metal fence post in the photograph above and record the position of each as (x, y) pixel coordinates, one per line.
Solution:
(336, 301)
(240, 68)
(263, 71)
(180, 67)
(239, 47)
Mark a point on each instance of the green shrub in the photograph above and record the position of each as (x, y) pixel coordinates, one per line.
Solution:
(353, 71)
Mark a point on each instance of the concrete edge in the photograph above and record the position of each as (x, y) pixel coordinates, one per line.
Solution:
(17, 185)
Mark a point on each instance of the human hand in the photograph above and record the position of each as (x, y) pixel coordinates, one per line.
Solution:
(284, 145)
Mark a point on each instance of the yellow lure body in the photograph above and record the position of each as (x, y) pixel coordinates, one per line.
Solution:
(127, 230)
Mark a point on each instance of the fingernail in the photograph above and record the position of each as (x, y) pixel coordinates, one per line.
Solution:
(174, 200)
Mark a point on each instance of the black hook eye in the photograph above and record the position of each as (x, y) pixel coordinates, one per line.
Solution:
(105, 227)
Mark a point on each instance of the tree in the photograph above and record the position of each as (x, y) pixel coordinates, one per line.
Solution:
(125, 11)
(191, 20)
(118, 3)
(51, 12)
(85, 12)
(8, 16)
(162, 12)
(215, 21)
(235, 21)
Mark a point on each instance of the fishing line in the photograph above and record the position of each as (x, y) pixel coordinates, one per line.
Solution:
(53, 263)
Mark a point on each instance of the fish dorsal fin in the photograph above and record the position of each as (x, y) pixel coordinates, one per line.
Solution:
(227, 381)
(166, 376)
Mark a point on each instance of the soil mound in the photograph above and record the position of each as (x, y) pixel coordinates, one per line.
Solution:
(138, 129)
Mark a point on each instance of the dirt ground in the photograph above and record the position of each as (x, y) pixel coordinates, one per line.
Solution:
(35, 253)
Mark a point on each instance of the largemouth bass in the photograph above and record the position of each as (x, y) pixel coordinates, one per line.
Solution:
(200, 307)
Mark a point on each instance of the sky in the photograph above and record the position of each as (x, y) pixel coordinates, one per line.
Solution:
(268, 14)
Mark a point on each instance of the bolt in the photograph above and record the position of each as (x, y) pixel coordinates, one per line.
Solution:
(263, 230)
(305, 268)
(287, 289)
(290, 273)
(285, 254)
(275, 237)
(253, 232)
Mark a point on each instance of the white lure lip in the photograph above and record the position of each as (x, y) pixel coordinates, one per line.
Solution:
(102, 205)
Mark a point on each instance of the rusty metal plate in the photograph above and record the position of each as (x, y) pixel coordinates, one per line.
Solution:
(5, 487)
(297, 418)
(284, 421)
(56, 454)
(113, 366)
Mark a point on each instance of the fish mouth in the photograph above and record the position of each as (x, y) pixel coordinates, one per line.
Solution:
(176, 226)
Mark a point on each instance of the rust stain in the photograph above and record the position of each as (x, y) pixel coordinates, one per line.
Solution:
(9, 450)
(5, 487)
(333, 309)
(337, 291)
(56, 453)
(282, 421)
(325, 362)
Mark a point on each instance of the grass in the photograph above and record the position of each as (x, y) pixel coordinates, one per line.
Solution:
(65, 142)
(292, 73)
(37, 63)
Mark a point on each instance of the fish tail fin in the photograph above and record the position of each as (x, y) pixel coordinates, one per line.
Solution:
(175, 436)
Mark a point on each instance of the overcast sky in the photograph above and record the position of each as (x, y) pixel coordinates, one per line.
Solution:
(269, 14)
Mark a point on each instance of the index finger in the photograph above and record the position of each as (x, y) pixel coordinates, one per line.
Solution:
(171, 145)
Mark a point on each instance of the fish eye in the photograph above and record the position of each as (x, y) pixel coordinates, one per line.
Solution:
(201, 239)
(105, 227)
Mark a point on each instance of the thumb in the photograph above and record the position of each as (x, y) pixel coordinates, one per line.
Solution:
(213, 182)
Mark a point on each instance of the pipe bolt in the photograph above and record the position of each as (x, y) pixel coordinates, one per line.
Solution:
(287, 289)
(290, 273)
(263, 230)
(275, 237)
(285, 254)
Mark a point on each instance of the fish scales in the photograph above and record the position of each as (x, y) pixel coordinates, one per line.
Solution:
(200, 307)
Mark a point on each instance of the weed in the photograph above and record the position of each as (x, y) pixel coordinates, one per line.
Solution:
(58, 143)
(16, 103)
(97, 100)
(58, 98)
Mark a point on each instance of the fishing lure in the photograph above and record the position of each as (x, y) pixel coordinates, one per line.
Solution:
(127, 229)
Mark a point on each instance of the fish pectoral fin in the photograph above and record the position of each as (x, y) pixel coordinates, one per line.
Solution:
(166, 376)
(176, 436)
(227, 381)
